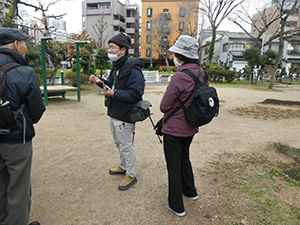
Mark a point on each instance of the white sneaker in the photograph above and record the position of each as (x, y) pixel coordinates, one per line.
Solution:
(194, 198)
(176, 213)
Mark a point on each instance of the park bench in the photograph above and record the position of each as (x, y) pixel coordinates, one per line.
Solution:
(58, 90)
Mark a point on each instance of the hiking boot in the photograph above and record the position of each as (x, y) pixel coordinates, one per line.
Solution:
(117, 171)
(176, 213)
(127, 183)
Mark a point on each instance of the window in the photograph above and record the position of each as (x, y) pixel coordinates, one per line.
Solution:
(148, 52)
(148, 39)
(182, 12)
(181, 25)
(149, 12)
(149, 25)
(165, 11)
(236, 47)
(291, 24)
(104, 5)
(225, 47)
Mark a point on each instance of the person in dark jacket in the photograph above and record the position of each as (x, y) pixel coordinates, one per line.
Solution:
(23, 93)
(123, 88)
(177, 132)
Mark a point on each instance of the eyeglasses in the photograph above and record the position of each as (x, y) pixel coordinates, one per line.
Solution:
(112, 48)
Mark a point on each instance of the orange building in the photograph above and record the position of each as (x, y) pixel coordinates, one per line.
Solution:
(162, 22)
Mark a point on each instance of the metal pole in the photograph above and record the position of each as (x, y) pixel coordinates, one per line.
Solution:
(62, 77)
(62, 81)
(43, 39)
(78, 72)
(78, 67)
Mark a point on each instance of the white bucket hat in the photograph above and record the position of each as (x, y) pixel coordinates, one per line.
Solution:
(186, 46)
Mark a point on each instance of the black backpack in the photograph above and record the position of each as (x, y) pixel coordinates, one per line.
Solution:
(205, 104)
(7, 115)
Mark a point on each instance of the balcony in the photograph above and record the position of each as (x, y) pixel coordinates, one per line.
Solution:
(131, 51)
(292, 18)
(288, 28)
(130, 20)
(119, 23)
(91, 12)
(130, 30)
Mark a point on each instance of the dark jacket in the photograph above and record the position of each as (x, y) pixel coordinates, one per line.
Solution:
(129, 87)
(180, 86)
(22, 88)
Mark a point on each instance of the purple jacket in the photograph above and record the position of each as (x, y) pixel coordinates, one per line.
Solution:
(180, 86)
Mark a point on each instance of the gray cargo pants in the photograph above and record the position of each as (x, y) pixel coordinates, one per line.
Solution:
(122, 135)
(15, 184)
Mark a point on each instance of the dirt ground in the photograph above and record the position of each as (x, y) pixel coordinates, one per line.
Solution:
(73, 151)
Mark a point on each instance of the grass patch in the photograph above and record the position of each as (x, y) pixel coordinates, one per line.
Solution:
(263, 112)
(253, 191)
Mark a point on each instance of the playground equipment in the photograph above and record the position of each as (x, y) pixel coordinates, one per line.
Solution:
(59, 89)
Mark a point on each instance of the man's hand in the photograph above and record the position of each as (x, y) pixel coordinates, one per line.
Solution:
(108, 91)
(94, 79)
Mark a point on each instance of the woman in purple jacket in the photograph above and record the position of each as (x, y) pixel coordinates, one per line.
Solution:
(178, 133)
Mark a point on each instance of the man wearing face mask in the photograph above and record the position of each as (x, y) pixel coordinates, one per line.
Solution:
(178, 133)
(123, 88)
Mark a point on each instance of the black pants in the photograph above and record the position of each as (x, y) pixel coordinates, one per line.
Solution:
(180, 172)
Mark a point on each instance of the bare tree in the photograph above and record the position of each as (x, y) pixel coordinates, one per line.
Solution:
(216, 11)
(50, 47)
(282, 34)
(9, 19)
(99, 29)
(244, 16)
(160, 30)
(188, 18)
(263, 21)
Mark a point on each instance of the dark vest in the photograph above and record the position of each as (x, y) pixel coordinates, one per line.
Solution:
(120, 109)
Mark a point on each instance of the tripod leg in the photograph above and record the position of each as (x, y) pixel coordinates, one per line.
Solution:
(160, 141)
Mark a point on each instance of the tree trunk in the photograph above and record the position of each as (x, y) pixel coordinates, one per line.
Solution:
(212, 46)
(55, 61)
(9, 18)
(167, 63)
(280, 52)
(251, 74)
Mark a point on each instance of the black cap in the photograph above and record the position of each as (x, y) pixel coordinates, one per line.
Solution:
(121, 39)
(9, 35)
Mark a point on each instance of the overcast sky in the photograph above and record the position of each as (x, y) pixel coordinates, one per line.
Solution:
(73, 10)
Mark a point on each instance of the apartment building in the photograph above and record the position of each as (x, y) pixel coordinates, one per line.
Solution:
(291, 52)
(4, 9)
(272, 11)
(105, 18)
(162, 23)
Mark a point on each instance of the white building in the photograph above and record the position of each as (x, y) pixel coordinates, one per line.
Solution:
(105, 18)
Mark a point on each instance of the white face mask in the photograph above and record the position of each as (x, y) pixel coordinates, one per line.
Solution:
(114, 57)
(176, 63)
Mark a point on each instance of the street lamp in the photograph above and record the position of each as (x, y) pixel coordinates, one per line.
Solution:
(43, 40)
(78, 67)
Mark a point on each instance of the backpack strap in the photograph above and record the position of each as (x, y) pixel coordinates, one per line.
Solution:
(198, 83)
(8, 66)
(181, 103)
(4, 69)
